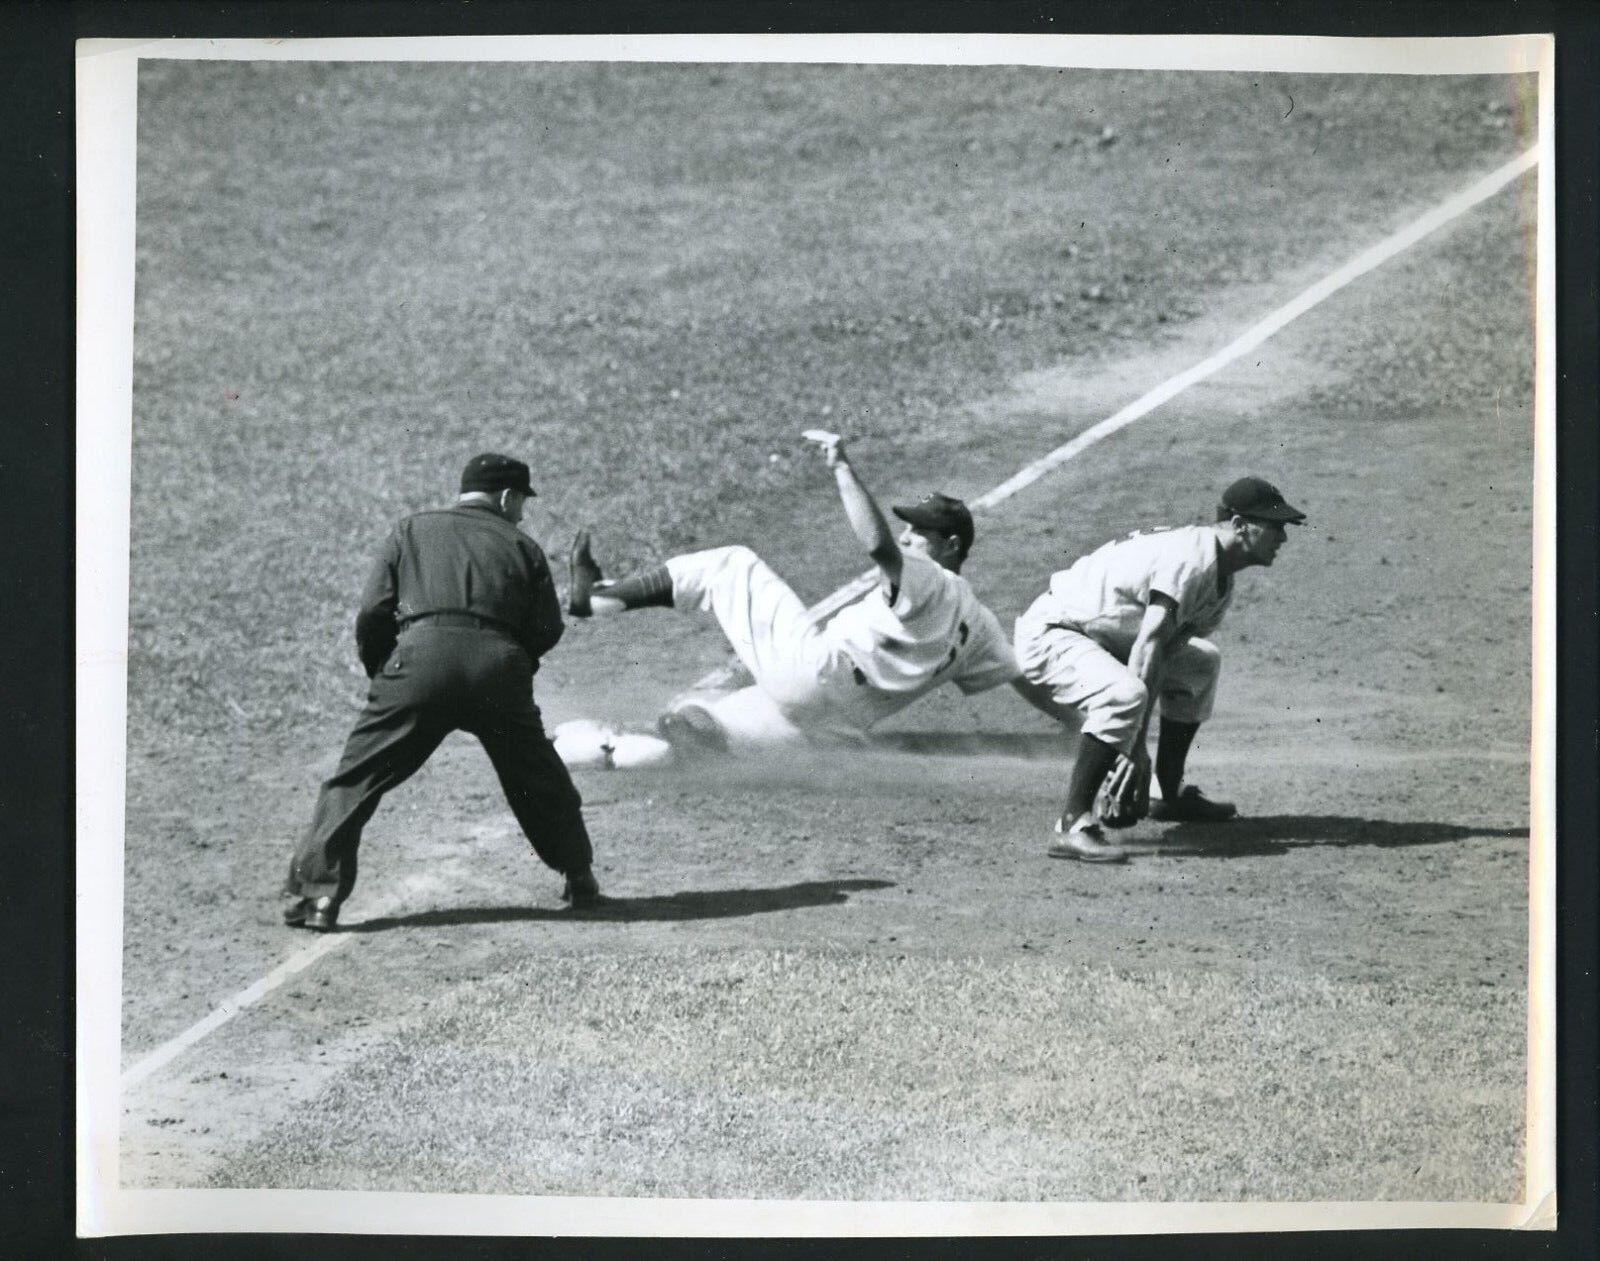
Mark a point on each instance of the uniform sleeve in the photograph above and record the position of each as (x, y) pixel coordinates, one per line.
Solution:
(920, 581)
(376, 628)
(543, 628)
(989, 660)
(1183, 575)
(1173, 571)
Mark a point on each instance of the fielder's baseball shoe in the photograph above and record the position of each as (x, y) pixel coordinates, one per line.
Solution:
(581, 890)
(1192, 806)
(583, 575)
(320, 915)
(1086, 841)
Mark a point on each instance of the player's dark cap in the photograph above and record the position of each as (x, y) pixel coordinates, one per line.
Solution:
(941, 513)
(1259, 500)
(491, 473)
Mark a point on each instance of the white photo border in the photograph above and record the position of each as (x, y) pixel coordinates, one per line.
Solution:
(106, 97)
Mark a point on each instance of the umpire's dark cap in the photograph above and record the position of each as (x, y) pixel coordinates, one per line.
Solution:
(1259, 500)
(939, 512)
(491, 473)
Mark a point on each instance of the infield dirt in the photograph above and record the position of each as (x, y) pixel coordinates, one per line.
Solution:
(835, 975)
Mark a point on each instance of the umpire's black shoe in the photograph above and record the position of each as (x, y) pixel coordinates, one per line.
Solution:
(583, 575)
(320, 915)
(581, 890)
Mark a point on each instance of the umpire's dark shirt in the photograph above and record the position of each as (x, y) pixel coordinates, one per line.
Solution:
(465, 559)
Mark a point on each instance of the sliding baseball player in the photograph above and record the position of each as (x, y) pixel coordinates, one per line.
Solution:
(920, 626)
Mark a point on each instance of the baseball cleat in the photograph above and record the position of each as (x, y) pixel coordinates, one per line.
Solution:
(581, 890)
(1087, 843)
(692, 732)
(1192, 806)
(294, 910)
(583, 575)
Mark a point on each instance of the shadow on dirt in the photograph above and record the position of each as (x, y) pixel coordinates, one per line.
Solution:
(1034, 746)
(1278, 834)
(693, 904)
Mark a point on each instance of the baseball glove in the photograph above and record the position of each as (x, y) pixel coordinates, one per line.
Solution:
(1124, 796)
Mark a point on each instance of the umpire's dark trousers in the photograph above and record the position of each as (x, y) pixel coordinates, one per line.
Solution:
(439, 679)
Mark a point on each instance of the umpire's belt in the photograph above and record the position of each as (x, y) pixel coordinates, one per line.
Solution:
(455, 618)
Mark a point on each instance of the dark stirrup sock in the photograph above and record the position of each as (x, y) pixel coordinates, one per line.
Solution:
(1095, 758)
(646, 589)
(1172, 755)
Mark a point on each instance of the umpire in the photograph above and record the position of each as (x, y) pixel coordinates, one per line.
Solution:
(457, 611)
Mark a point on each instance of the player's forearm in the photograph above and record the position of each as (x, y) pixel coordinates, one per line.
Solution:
(866, 519)
(1150, 646)
(1037, 695)
(1144, 660)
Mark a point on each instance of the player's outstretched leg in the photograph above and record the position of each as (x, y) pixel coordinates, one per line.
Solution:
(1081, 834)
(590, 595)
(1180, 802)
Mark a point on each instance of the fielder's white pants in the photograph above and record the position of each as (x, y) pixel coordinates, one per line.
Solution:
(1094, 679)
(801, 679)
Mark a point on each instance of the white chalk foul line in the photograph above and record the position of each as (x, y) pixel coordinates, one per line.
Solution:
(253, 994)
(1247, 341)
(247, 997)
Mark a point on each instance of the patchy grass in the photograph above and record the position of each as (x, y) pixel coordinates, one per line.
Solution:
(646, 279)
(818, 1075)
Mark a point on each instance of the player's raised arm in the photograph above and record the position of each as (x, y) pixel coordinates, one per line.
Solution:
(866, 518)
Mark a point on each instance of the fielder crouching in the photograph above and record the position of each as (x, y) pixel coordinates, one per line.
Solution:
(1122, 627)
(921, 626)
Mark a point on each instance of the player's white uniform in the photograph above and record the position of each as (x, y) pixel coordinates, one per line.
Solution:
(872, 658)
(1076, 637)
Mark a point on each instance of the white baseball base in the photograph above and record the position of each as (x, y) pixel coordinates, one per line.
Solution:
(587, 745)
